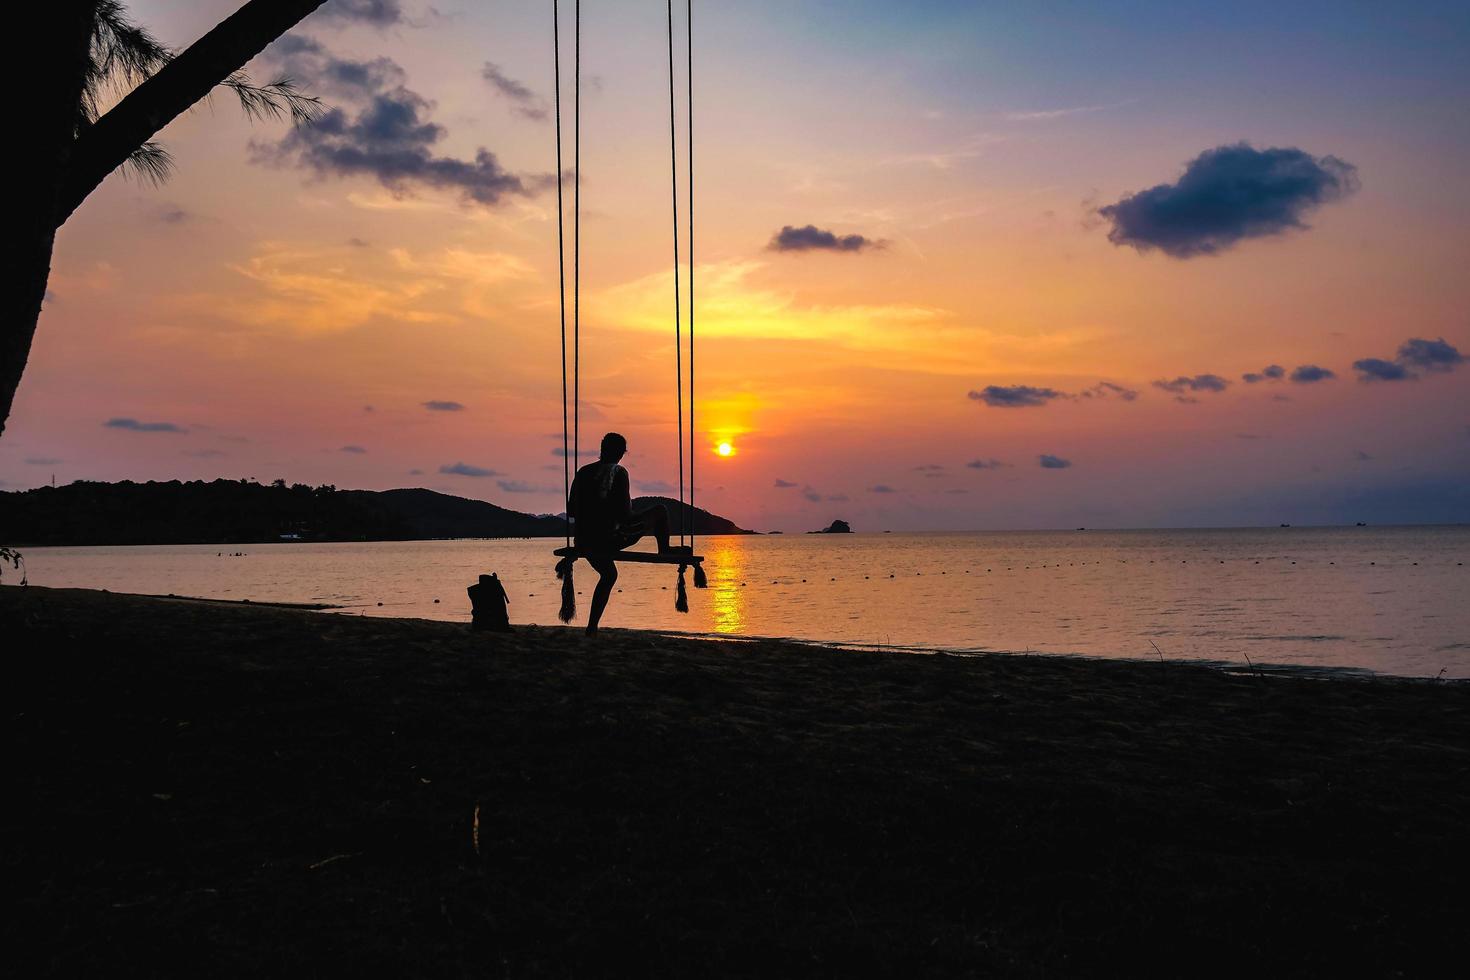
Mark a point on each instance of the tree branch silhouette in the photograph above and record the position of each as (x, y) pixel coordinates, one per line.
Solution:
(214, 59)
(79, 52)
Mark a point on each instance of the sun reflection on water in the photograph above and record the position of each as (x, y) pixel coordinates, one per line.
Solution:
(725, 566)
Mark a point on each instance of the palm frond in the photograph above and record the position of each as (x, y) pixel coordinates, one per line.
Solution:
(123, 54)
(151, 163)
(279, 99)
(129, 52)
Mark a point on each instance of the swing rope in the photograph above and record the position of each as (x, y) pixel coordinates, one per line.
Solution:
(565, 565)
(571, 395)
(689, 75)
(571, 454)
(577, 234)
(678, 340)
(561, 263)
(700, 581)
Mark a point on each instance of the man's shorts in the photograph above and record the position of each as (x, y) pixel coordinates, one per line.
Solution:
(623, 536)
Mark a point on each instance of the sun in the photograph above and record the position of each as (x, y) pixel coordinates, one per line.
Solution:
(724, 449)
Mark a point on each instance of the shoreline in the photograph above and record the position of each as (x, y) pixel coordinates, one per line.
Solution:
(1383, 599)
(1253, 668)
(795, 534)
(233, 789)
(256, 603)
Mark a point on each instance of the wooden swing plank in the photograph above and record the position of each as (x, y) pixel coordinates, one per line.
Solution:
(643, 557)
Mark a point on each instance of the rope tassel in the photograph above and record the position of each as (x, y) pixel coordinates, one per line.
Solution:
(681, 597)
(700, 582)
(568, 590)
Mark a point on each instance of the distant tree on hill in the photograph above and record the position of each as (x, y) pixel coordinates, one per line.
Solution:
(78, 54)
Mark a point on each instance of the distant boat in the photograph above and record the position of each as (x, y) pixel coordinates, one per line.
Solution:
(291, 536)
(1361, 524)
(1286, 525)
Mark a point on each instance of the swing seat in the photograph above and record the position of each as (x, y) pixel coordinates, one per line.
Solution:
(642, 557)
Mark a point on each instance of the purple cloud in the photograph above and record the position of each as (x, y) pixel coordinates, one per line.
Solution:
(1227, 195)
(810, 238)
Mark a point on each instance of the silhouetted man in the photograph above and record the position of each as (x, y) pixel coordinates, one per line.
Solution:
(605, 523)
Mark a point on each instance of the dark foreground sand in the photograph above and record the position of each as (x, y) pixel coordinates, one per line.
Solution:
(232, 790)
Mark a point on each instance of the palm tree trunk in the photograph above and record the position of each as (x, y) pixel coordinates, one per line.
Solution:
(57, 36)
(27, 265)
(67, 167)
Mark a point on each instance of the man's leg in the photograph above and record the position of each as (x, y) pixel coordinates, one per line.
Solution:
(655, 521)
(607, 572)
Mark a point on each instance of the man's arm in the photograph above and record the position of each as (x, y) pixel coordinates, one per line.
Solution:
(622, 499)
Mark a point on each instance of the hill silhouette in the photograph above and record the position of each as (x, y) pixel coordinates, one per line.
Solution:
(704, 521)
(244, 511)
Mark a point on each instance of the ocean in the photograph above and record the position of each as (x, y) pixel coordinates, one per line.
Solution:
(1393, 600)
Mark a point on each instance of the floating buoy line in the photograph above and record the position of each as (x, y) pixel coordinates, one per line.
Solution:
(990, 570)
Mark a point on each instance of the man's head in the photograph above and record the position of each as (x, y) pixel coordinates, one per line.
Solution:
(613, 447)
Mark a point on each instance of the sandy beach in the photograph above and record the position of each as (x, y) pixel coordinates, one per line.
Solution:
(233, 790)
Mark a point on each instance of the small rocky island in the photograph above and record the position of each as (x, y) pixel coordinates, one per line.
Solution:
(836, 527)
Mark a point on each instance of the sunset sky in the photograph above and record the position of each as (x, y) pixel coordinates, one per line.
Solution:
(1037, 260)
